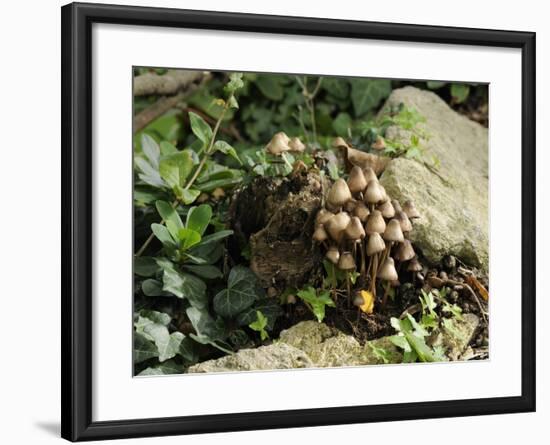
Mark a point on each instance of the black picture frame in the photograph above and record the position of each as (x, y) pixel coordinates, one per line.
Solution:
(76, 418)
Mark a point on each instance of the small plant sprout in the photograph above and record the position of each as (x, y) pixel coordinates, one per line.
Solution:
(259, 325)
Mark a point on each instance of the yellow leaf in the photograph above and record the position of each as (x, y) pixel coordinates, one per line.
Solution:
(368, 305)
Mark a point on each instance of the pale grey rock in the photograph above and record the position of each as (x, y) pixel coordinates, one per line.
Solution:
(275, 356)
(452, 198)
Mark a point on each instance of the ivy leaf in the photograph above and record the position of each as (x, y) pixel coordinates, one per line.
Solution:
(316, 303)
(267, 306)
(241, 292)
(270, 86)
(198, 218)
(151, 150)
(144, 349)
(167, 368)
(200, 128)
(167, 344)
(341, 124)
(227, 149)
(366, 94)
(259, 325)
(184, 285)
(153, 288)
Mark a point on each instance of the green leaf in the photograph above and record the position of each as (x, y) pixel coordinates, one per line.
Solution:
(341, 124)
(435, 84)
(198, 218)
(168, 345)
(151, 150)
(166, 148)
(220, 183)
(169, 214)
(204, 271)
(153, 288)
(184, 285)
(167, 368)
(188, 238)
(176, 167)
(189, 196)
(163, 235)
(144, 349)
(200, 128)
(269, 307)
(460, 92)
(366, 94)
(241, 292)
(316, 303)
(215, 237)
(235, 83)
(259, 325)
(145, 266)
(227, 149)
(270, 86)
(148, 174)
(339, 88)
(204, 324)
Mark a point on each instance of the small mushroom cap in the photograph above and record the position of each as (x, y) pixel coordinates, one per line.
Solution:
(396, 205)
(339, 193)
(410, 209)
(337, 225)
(346, 262)
(358, 300)
(379, 143)
(350, 205)
(376, 244)
(278, 144)
(393, 232)
(405, 251)
(387, 271)
(374, 192)
(355, 229)
(291, 299)
(370, 175)
(356, 181)
(404, 221)
(323, 216)
(320, 234)
(386, 209)
(339, 142)
(361, 211)
(414, 265)
(386, 198)
(375, 223)
(333, 255)
(296, 145)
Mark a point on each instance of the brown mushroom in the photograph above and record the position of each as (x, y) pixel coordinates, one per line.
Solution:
(374, 192)
(386, 209)
(278, 144)
(354, 229)
(336, 225)
(356, 181)
(296, 145)
(361, 211)
(410, 209)
(339, 142)
(339, 193)
(378, 144)
(375, 223)
(393, 232)
(323, 216)
(404, 221)
(320, 234)
(387, 271)
(333, 254)
(405, 251)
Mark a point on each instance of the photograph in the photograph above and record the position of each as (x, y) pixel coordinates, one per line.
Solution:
(290, 221)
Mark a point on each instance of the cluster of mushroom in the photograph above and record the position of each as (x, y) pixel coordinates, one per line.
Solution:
(281, 143)
(361, 224)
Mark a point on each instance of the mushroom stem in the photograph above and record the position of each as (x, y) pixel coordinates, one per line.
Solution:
(374, 270)
(362, 253)
(348, 287)
(386, 253)
(386, 293)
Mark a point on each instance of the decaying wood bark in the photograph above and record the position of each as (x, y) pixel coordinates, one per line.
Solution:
(276, 216)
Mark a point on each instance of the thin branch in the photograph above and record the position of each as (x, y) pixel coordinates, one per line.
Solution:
(166, 84)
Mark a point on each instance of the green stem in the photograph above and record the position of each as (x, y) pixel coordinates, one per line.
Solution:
(193, 178)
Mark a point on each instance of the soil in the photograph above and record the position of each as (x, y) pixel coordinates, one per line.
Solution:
(371, 326)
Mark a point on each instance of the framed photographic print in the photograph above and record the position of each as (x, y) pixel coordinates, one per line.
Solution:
(269, 221)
